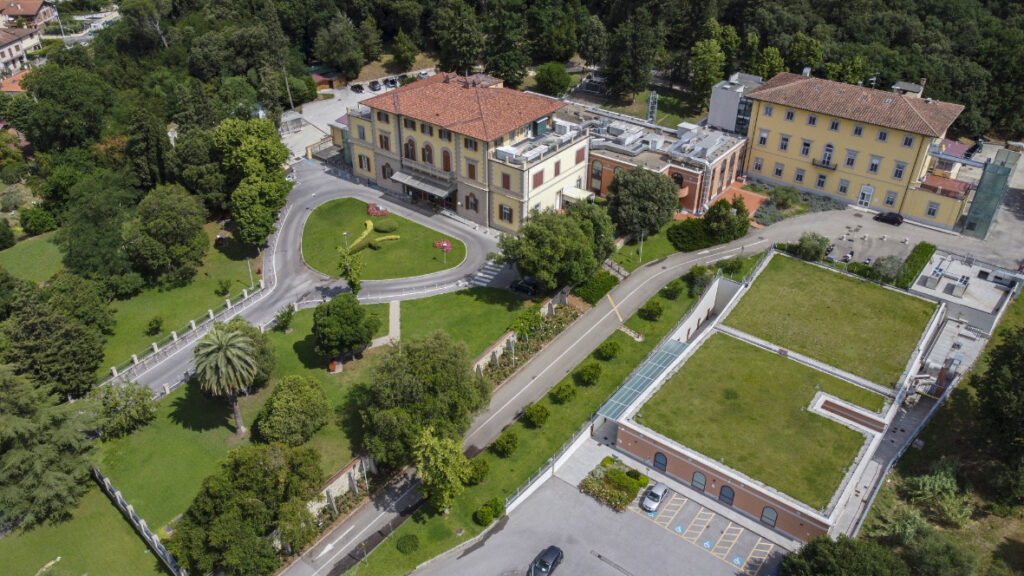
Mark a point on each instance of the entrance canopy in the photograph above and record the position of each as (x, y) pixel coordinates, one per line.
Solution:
(424, 183)
(577, 194)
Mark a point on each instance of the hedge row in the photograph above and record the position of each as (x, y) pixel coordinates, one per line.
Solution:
(596, 286)
(915, 263)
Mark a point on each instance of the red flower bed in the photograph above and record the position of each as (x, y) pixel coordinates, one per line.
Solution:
(376, 210)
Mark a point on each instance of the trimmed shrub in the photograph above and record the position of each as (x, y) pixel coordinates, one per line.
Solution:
(223, 287)
(596, 286)
(608, 350)
(497, 506)
(768, 214)
(483, 516)
(863, 270)
(535, 415)
(811, 247)
(651, 311)
(6, 235)
(408, 543)
(698, 279)
(506, 444)
(730, 266)
(564, 392)
(375, 245)
(478, 468)
(673, 289)
(296, 409)
(588, 374)
(784, 197)
(155, 326)
(385, 226)
(283, 318)
(914, 264)
(36, 221)
(689, 235)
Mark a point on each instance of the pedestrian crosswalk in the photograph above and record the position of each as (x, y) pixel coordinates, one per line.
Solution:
(486, 275)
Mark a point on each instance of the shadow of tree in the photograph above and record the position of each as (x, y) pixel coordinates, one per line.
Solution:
(348, 417)
(195, 410)
(234, 249)
(305, 350)
(497, 297)
(1011, 551)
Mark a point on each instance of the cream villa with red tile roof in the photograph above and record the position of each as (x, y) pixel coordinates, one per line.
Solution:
(857, 144)
(470, 145)
(34, 13)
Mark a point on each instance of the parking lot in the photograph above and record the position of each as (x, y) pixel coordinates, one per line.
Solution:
(871, 240)
(683, 538)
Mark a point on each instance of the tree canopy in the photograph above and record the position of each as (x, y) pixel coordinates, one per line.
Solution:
(1001, 392)
(296, 409)
(342, 325)
(844, 556)
(642, 200)
(442, 468)
(553, 248)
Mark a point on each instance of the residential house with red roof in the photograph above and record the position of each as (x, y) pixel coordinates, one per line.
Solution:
(470, 145)
(33, 13)
(860, 145)
(15, 43)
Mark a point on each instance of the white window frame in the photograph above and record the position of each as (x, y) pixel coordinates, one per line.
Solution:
(758, 164)
(820, 181)
(899, 171)
(833, 125)
(805, 147)
(858, 130)
(844, 186)
(762, 137)
(779, 170)
(890, 198)
(908, 141)
(851, 159)
(883, 136)
(933, 210)
(812, 119)
(876, 162)
(768, 110)
(790, 115)
(784, 142)
(799, 176)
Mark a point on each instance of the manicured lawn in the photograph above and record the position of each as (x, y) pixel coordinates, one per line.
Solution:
(477, 316)
(849, 323)
(382, 312)
(384, 67)
(178, 305)
(437, 534)
(730, 393)
(97, 540)
(35, 259)
(673, 107)
(655, 246)
(530, 82)
(412, 255)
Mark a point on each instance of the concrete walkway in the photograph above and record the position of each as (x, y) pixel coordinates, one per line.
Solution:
(394, 325)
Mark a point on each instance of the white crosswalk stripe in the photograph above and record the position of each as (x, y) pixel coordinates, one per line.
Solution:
(485, 275)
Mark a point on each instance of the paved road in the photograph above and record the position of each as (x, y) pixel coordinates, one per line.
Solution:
(297, 282)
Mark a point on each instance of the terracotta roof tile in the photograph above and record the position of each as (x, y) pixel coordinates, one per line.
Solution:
(12, 84)
(858, 103)
(21, 7)
(946, 186)
(458, 106)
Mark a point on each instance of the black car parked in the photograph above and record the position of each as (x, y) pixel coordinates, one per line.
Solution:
(374, 85)
(357, 88)
(546, 561)
(391, 82)
(889, 218)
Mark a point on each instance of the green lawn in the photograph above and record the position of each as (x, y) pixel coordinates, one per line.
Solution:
(730, 393)
(846, 322)
(382, 312)
(35, 259)
(437, 533)
(178, 305)
(673, 107)
(477, 316)
(412, 255)
(655, 246)
(97, 540)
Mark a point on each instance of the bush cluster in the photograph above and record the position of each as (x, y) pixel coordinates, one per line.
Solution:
(478, 468)
(719, 225)
(535, 415)
(915, 263)
(385, 226)
(506, 443)
(37, 221)
(697, 280)
(489, 511)
(730, 266)
(784, 197)
(613, 485)
(408, 543)
(563, 392)
(6, 235)
(651, 311)
(608, 350)
(673, 289)
(588, 374)
(596, 286)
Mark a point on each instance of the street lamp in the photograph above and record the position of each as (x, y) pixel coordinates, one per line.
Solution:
(345, 234)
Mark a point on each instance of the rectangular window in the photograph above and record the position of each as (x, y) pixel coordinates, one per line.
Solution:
(506, 181)
(383, 117)
(444, 135)
(769, 110)
(858, 130)
(506, 213)
(883, 135)
(362, 132)
(779, 169)
(538, 179)
(908, 141)
(499, 141)
(833, 125)
(384, 141)
(469, 144)
(890, 198)
(581, 155)
(790, 115)
(821, 181)
(851, 158)
(410, 123)
(898, 171)
(758, 163)
(799, 175)
(471, 169)
(558, 167)
(933, 209)
(812, 120)
(844, 186)
(805, 148)
(784, 142)
(876, 161)
(471, 203)
(364, 162)
(427, 129)
(762, 139)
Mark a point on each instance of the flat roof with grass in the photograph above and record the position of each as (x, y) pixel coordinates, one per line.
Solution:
(846, 322)
(747, 408)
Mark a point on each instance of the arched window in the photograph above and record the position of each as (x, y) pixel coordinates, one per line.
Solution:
(769, 516)
(826, 155)
(386, 171)
(410, 149)
(660, 461)
(726, 495)
(428, 154)
(446, 161)
(699, 481)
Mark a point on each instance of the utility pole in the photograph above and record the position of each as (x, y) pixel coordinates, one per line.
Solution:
(642, 232)
(287, 87)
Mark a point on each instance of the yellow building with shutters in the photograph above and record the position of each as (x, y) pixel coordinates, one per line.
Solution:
(859, 145)
(466, 144)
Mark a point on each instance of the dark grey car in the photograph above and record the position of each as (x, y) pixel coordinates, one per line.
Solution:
(546, 562)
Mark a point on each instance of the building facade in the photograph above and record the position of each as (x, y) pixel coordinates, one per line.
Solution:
(730, 106)
(32, 13)
(856, 144)
(469, 145)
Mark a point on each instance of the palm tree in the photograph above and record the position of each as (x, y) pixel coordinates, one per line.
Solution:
(226, 365)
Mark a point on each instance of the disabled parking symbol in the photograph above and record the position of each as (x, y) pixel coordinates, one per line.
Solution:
(651, 514)
(707, 544)
(737, 561)
(679, 529)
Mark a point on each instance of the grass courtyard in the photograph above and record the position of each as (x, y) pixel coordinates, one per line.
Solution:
(411, 255)
(673, 107)
(849, 323)
(34, 259)
(754, 394)
(477, 316)
(655, 246)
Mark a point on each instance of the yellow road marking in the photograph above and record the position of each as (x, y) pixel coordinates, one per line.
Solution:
(614, 307)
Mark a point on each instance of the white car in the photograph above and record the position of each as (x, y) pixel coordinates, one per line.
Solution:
(654, 497)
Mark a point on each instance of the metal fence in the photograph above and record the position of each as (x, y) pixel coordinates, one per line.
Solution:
(548, 467)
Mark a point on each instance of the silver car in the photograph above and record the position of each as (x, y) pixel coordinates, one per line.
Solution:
(654, 497)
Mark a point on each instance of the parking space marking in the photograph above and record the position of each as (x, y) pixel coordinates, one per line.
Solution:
(670, 510)
(727, 541)
(700, 522)
(757, 557)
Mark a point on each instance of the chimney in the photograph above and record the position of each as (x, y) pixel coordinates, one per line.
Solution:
(924, 81)
(807, 71)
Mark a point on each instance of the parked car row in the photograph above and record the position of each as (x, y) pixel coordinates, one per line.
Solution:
(389, 82)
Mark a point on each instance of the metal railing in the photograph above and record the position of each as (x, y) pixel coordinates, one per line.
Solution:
(550, 463)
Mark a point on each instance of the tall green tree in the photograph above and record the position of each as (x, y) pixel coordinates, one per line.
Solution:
(750, 52)
(552, 29)
(195, 164)
(1001, 393)
(6, 234)
(642, 201)
(593, 41)
(255, 204)
(84, 300)
(551, 247)
(66, 108)
(147, 16)
(636, 42)
(296, 409)
(769, 63)
(226, 366)
(442, 468)
(166, 241)
(146, 148)
(595, 224)
(552, 79)
(341, 325)
(350, 265)
(459, 36)
(707, 67)
(404, 50)
(421, 383)
(44, 451)
(338, 45)
(369, 37)
(263, 348)
(508, 51)
(125, 408)
(804, 51)
(844, 556)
